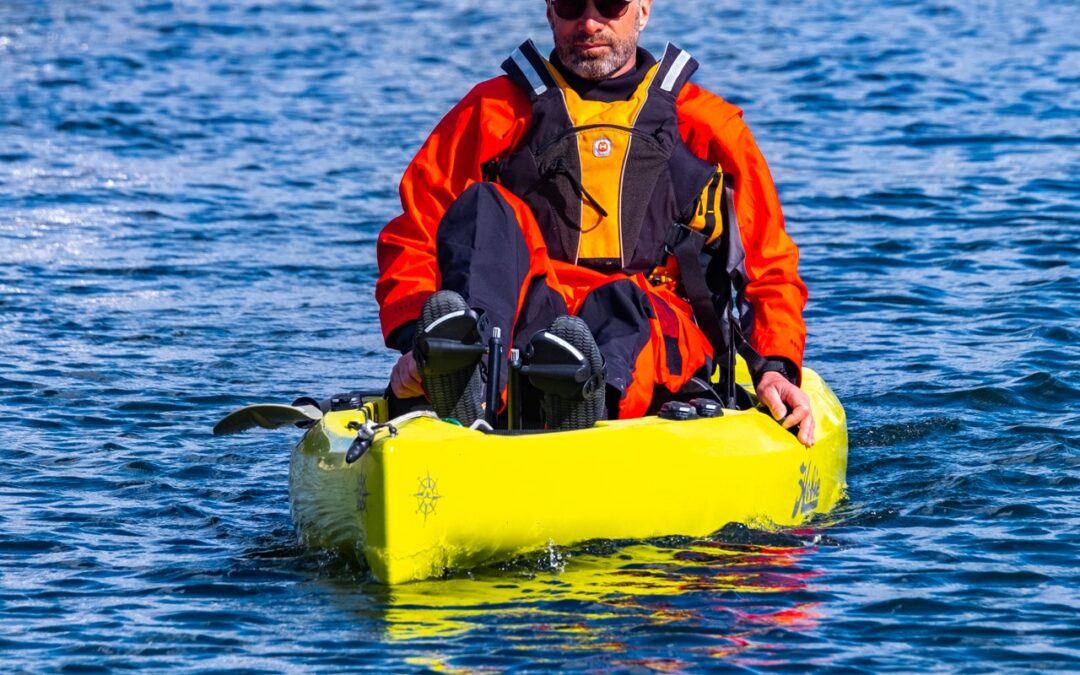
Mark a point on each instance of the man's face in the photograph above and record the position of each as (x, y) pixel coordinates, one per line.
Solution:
(595, 47)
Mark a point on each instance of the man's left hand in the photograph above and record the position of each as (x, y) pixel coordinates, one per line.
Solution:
(781, 396)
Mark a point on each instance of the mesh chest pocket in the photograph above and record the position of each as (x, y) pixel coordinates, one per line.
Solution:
(611, 173)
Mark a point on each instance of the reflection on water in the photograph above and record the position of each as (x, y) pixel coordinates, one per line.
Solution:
(604, 596)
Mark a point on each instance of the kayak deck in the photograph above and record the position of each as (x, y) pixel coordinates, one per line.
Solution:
(437, 496)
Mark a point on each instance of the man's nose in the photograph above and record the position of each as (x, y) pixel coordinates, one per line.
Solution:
(592, 26)
(592, 20)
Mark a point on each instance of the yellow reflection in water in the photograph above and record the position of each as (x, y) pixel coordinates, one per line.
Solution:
(591, 602)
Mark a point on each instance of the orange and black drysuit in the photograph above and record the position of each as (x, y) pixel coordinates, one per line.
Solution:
(542, 194)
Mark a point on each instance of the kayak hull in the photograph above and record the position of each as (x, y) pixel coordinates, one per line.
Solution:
(435, 496)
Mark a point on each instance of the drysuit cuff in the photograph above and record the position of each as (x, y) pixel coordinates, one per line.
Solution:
(403, 337)
(779, 364)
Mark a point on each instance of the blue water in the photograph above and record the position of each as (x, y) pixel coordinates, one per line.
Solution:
(189, 198)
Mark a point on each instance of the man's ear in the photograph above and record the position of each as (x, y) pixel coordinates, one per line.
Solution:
(550, 18)
(644, 14)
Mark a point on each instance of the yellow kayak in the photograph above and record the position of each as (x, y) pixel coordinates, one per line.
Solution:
(430, 496)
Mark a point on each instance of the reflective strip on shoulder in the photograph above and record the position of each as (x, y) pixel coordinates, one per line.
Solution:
(536, 80)
(675, 71)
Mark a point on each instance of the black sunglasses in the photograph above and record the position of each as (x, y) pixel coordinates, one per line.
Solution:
(571, 10)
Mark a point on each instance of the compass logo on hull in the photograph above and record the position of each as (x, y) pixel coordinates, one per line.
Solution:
(427, 496)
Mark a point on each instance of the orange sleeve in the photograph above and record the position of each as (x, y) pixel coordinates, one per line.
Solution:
(714, 130)
(489, 121)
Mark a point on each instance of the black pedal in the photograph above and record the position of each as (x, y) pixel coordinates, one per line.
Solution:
(450, 344)
(554, 366)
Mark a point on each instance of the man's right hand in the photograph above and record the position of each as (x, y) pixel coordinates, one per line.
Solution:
(405, 378)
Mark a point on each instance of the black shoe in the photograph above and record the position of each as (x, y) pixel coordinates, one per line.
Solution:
(565, 364)
(448, 351)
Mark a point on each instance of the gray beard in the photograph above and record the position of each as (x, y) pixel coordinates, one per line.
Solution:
(598, 67)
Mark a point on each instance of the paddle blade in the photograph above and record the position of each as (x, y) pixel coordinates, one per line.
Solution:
(266, 416)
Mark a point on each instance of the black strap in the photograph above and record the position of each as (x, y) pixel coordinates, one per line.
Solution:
(713, 311)
(687, 249)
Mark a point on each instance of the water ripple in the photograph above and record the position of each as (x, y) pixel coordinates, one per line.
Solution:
(189, 199)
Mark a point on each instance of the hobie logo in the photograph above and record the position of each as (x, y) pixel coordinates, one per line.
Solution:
(809, 490)
(602, 147)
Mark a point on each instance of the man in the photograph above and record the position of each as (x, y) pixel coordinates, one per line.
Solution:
(543, 205)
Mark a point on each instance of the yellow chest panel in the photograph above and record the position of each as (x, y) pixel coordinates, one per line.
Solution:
(604, 135)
